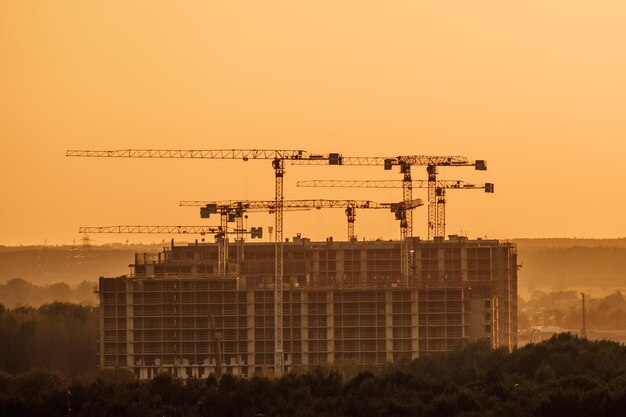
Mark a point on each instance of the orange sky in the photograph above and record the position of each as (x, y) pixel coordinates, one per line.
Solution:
(537, 88)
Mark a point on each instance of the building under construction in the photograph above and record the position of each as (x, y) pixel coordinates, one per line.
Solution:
(179, 313)
(191, 311)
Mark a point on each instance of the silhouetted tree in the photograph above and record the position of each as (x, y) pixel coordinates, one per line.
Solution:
(565, 375)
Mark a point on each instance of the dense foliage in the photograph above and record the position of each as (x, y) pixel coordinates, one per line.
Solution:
(564, 376)
(58, 336)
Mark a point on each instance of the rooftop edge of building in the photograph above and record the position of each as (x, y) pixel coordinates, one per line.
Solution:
(300, 240)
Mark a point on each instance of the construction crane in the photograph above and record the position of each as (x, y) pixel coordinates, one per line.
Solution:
(350, 207)
(221, 232)
(440, 190)
(405, 163)
(278, 158)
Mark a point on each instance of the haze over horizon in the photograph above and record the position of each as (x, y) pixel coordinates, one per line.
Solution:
(536, 88)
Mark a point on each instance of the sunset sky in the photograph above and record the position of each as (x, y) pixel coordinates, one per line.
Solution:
(537, 88)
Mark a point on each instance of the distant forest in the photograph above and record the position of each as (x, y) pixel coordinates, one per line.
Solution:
(582, 267)
(17, 293)
(564, 376)
(70, 264)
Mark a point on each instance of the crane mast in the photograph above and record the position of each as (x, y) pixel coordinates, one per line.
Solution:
(279, 357)
(239, 230)
(406, 223)
(351, 215)
(222, 252)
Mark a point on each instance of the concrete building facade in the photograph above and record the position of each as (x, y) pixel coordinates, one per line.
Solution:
(343, 301)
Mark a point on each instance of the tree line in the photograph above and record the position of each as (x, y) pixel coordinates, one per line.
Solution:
(564, 376)
(56, 336)
(17, 292)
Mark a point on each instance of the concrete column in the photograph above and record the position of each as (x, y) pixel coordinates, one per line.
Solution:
(363, 274)
(340, 273)
(464, 314)
(102, 296)
(250, 331)
(304, 314)
(330, 321)
(130, 345)
(491, 266)
(464, 264)
(314, 271)
(415, 348)
(440, 263)
(388, 327)
(417, 265)
(495, 319)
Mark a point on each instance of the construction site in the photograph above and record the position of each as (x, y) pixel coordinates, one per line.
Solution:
(248, 308)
